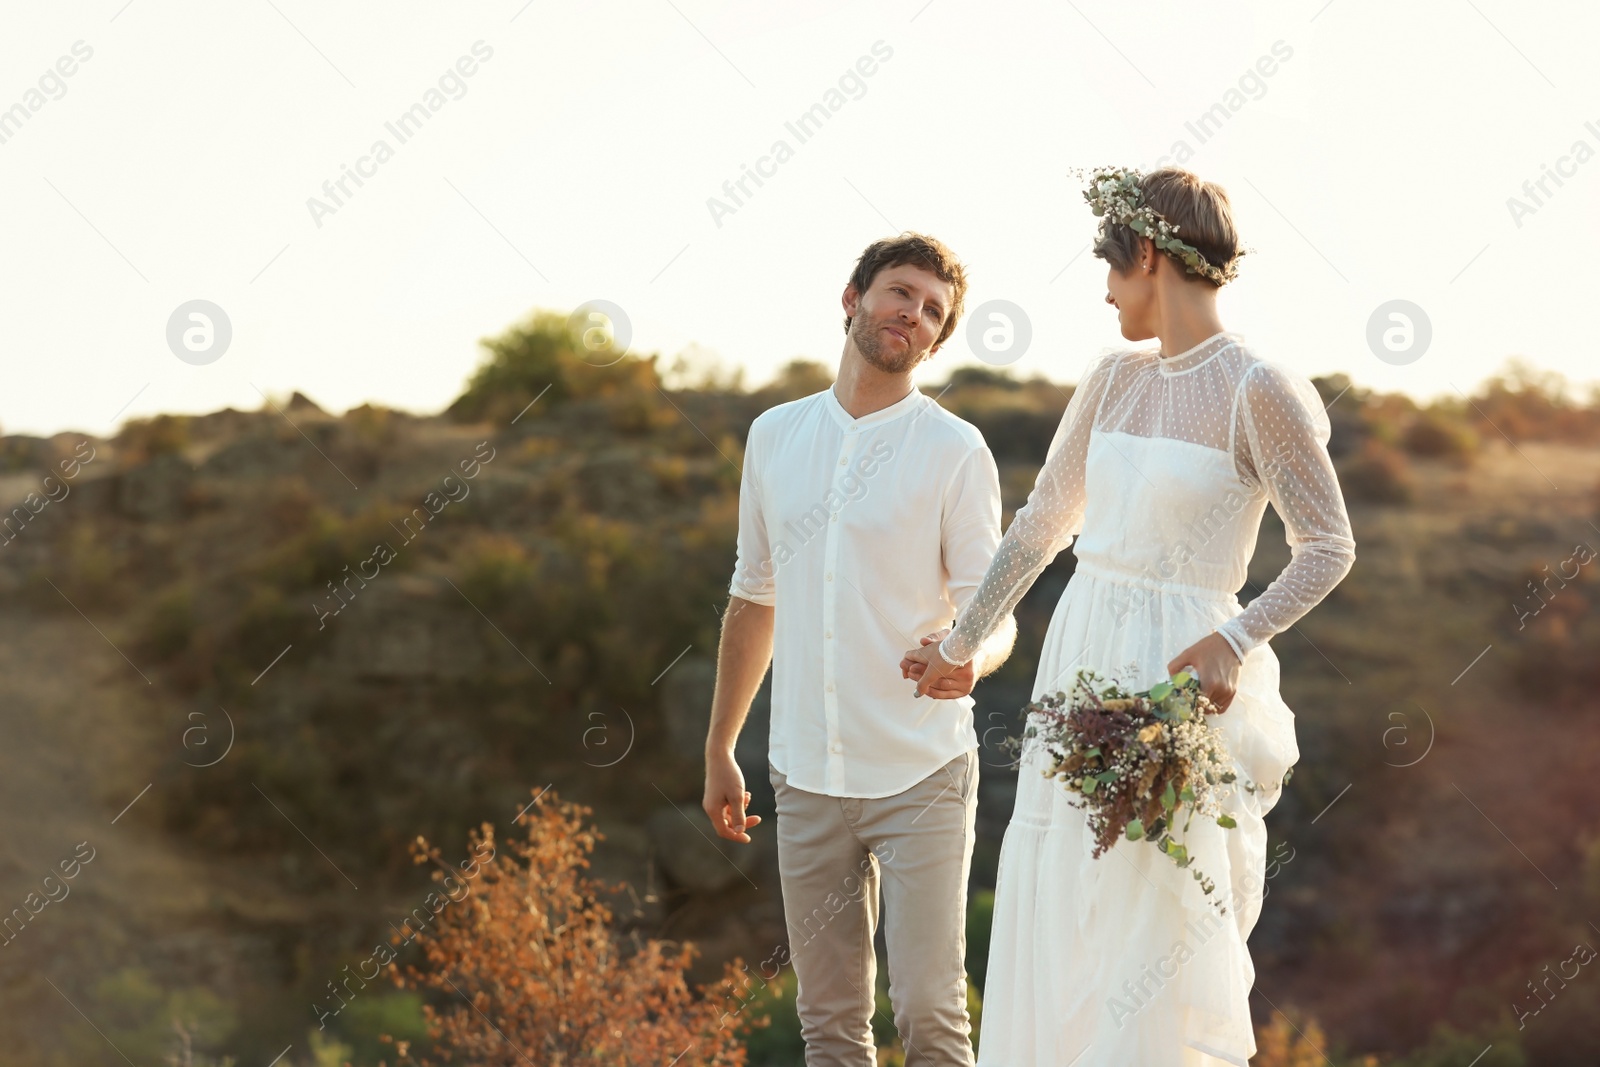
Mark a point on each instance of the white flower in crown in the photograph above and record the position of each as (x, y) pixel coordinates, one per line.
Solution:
(1115, 198)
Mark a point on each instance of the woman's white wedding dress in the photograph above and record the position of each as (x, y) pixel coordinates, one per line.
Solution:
(1161, 468)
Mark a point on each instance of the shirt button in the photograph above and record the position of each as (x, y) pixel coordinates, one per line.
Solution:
(842, 461)
(828, 577)
(828, 634)
(834, 517)
(837, 747)
(830, 687)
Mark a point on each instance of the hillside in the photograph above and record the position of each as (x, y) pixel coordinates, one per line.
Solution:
(252, 655)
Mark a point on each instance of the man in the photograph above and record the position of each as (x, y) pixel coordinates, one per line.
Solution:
(867, 514)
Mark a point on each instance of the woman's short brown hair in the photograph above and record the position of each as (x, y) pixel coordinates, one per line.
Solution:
(919, 250)
(1200, 209)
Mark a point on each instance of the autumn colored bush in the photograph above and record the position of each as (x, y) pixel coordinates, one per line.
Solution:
(1281, 1043)
(525, 969)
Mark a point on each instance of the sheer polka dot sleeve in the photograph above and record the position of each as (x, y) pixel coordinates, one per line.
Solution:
(1041, 528)
(1280, 441)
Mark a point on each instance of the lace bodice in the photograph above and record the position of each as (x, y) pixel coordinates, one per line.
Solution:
(1161, 469)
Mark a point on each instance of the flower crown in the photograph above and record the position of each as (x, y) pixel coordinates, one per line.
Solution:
(1115, 197)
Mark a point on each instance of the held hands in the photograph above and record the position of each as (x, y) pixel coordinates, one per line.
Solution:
(1216, 665)
(934, 675)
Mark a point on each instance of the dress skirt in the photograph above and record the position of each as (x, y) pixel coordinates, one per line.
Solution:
(1124, 961)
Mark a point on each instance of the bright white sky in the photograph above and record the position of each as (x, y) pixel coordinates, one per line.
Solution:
(1375, 165)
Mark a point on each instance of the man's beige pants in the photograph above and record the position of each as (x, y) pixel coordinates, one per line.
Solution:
(834, 853)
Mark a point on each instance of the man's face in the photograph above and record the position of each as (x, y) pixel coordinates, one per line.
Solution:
(895, 323)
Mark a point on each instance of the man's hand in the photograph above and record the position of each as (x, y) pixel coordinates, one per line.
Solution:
(1216, 665)
(934, 676)
(726, 798)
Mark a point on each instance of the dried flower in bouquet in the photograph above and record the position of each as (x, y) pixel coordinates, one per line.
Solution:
(1141, 761)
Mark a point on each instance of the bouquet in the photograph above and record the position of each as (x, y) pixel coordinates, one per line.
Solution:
(1140, 761)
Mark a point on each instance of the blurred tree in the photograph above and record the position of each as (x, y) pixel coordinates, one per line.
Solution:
(967, 377)
(699, 368)
(1377, 474)
(1436, 436)
(548, 358)
(795, 379)
(1525, 402)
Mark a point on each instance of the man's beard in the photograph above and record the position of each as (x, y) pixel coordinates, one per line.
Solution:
(868, 337)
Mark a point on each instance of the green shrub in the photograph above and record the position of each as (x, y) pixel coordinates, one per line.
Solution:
(545, 358)
(149, 1023)
(1449, 1047)
(496, 571)
(168, 624)
(980, 920)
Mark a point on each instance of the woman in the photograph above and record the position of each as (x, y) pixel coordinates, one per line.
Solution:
(1161, 468)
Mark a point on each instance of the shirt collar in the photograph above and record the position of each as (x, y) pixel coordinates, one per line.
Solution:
(910, 402)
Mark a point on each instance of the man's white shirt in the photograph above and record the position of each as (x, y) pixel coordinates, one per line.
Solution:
(863, 535)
